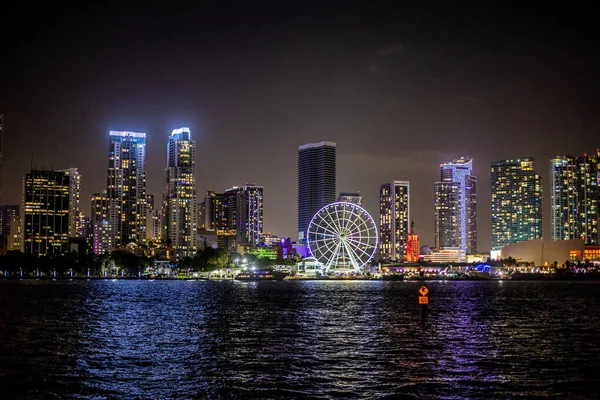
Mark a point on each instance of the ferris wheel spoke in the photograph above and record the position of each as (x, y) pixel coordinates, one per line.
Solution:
(334, 256)
(355, 263)
(335, 221)
(332, 227)
(359, 249)
(361, 243)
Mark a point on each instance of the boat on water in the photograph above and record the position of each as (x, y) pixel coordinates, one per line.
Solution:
(261, 275)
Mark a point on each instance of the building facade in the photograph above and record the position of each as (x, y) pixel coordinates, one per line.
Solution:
(516, 202)
(126, 187)
(394, 220)
(412, 244)
(16, 237)
(316, 181)
(101, 237)
(99, 207)
(1, 150)
(216, 219)
(74, 200)
(574, 198)
(455, 207)
(245, 213)
(46, 201)
(355, 198)
(7, 214)
(179, 210)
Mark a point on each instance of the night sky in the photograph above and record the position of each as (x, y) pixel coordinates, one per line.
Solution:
(399, 89)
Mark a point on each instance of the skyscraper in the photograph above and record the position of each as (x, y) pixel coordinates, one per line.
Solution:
(412, 244)
(216, 218)
(455, 207)
(245, 213)
(126, 187)
(99, 209)
(46, 196)
(394, 217)
(516, 202)
(1, 148)
(316, 181)
(180, 193)
(7, 214)
(574, 198)
(74, 195)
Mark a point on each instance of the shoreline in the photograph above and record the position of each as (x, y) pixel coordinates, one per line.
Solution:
(516, 277)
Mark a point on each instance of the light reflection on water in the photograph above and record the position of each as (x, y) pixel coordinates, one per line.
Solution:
(348, 339)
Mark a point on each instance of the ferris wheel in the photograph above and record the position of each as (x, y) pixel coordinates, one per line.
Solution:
(342, 237)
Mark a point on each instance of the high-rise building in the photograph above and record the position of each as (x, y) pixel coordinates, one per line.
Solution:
(126, 187)
(154, 220)
(394, 217)
(15, 239)
(245, 213)
(455, 207)
(316, 181)
(180, 193)
(412, 244)
(99, 210)
(7, 214)
(101, 237)
(216, 219)
(46, 201)
(84, 226)
(516, 202)
(200, 209)
(74, 197)
(1, 148)
(574, 198)
(355, 198)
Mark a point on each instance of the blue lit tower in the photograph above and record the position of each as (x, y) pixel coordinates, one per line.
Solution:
(455, 207)
(180, 193)
(316, 181)
(126, 187)
(516, 202)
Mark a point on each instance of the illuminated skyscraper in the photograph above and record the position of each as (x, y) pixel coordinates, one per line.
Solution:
(216, 217)
(126, 187)
(7, 214)
(46, 201)
(394, 217)
(412, 244)
(180, 193)
(1, 145)
(316, 181)
(574, 198)
(99, 210)
(15, 239)
(74, 196)
(245, 213)
(516, 202)
(455, 207)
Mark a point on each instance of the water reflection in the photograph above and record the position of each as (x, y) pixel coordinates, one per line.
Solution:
(349, 339)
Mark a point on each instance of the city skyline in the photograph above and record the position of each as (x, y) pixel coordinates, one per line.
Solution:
(396, 100)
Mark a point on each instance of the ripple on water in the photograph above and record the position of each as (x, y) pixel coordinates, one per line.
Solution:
(180, 339)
